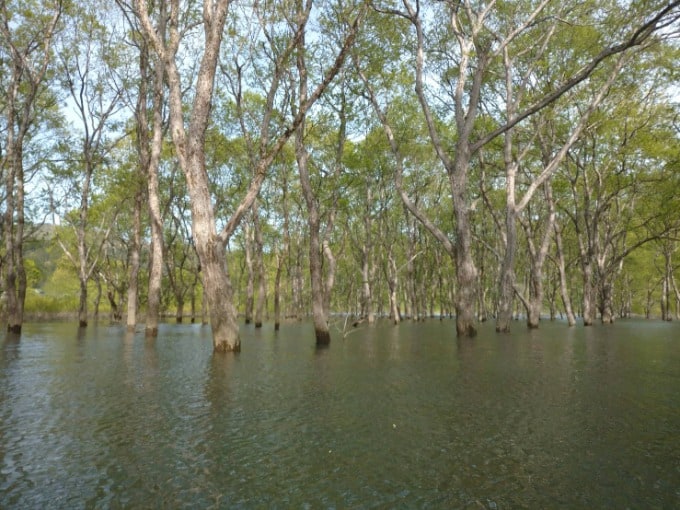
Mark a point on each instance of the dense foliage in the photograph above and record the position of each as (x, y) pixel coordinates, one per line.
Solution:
(545, 132)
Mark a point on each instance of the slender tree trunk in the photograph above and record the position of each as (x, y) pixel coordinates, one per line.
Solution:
(277, 291)
(606, 292)
(666, 313)
(393, 285)
(564, 289)
(676, 290)
(588, 294)
(133, 275)
(321, 328)
(506, 288)
(259, 267)
(15, 273)
(97, 297)
(331, 266)
(153, 311)
(250, 273)
(192, 304)
(366, 258)
(83, 273)
(179, 312)
(82, 304)
(466, 271)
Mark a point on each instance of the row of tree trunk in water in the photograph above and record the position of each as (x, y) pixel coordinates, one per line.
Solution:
(487, 45)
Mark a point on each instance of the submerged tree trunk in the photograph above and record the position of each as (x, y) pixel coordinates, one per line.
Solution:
(259, 267)
(393, 285)
(15, 272)
(506, 288)
(321, 329)
(564, 289)
(277, 291)
(133, 274)
(153, 311)
(466, 271)
(250, 273)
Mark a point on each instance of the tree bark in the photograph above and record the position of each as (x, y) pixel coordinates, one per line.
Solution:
(321, 329)
(153, 310)
(564, 289)
(259, 267)
(133, 269)
(250, 273)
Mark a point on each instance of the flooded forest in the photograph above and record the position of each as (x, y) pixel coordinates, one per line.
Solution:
(342, 161)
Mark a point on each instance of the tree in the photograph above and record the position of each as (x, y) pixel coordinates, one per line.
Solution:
(88, 63)
(482, 34)
(25, 55)
(149, 144)
(189, 146)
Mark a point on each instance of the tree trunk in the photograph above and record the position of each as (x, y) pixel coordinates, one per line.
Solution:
(133, 275)
(321, 329)
(277, 291)
(190, 149)
(535, 299)
(153, 311)
(506, 287)
(393, 285)
(666, 313)
(564, 289)
(259, 267)
(15, 273)
(588, 294)
(179, 311)
(82, 304)
(250, 274)
(466, 272)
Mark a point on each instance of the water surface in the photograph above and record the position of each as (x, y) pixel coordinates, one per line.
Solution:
(387, 417)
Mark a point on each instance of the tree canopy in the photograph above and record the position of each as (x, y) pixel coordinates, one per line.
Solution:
(404, 159)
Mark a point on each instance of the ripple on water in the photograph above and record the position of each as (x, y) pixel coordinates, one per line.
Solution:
(388, 417)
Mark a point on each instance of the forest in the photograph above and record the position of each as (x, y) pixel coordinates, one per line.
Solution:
(339, 160)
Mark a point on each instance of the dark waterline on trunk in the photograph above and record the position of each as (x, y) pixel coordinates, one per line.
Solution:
(406, 416)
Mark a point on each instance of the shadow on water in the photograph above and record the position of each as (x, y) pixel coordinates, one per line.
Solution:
(10, 352)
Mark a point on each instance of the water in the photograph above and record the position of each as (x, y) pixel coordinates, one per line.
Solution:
(388, 417)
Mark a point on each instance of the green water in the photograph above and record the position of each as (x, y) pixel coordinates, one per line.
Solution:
(388, 417)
